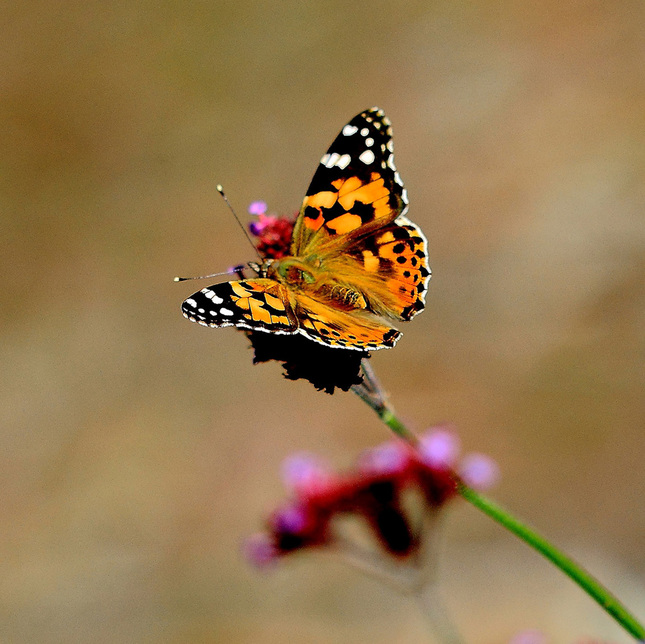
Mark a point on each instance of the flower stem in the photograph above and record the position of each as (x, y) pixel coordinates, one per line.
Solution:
(569, 567)
(372, 393)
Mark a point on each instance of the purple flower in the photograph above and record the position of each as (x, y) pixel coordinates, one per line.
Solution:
(479, 471)
(258, 208)
(387, 458)
(306, 474)
(290, 519)
(260, 551)
(439, 448)
(373, 490)
(529, 637)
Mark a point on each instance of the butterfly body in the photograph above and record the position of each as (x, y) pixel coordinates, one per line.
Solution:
(356, 262)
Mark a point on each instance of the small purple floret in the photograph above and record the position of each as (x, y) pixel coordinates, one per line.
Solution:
(384, 459)
(305, 473)
(291, 519)
(257, 208)
(479, 471)
(439, 448)
(259, 550)
(529, 637)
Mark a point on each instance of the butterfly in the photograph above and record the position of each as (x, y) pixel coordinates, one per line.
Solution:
(355, 264)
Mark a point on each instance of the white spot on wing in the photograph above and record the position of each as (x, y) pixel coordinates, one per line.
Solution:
(226, 311)
(369, 142)
(191, 302)
(365, 131)
(344, 161)
(211, 296)
(348, 130)
(331, 161)
(367, 157)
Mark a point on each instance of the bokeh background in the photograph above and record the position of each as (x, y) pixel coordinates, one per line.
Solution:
(138, 450)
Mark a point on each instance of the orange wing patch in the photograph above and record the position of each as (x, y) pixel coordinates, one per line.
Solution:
(262, 303)
(353, 203)
(336, 328)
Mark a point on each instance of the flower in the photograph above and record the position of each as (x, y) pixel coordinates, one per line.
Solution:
(479, 471)
(372, 491)
(273, 232)
(257, 208)
(439, 448)
(306, 475)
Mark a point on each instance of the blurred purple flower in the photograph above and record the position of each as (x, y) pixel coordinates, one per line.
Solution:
(259, 550)
(439, 448)
(290, 519)
(479, 471)
(384, 459)
(257, 207)
(305, 474)
(372, 491)
(529, 637)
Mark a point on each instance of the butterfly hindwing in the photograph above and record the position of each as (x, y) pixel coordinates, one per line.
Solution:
(261, 304)
(394, 263)
(340, 329)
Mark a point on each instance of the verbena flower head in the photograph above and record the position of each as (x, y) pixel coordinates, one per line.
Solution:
(273, 232)
(372, 491)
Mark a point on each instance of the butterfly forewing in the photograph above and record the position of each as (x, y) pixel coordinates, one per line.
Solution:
(356, 186)
(261, 304)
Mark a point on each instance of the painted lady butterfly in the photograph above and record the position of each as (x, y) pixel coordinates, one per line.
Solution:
(355, 261)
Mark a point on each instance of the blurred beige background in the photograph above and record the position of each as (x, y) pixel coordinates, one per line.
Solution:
(138, 450)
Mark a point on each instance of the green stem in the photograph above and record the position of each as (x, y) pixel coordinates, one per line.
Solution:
(372, 393)
(388, 416)
(569, 567)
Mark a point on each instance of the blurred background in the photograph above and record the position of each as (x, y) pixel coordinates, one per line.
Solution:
(139, 450)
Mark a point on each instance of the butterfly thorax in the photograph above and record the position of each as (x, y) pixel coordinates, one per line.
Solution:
(312, 278)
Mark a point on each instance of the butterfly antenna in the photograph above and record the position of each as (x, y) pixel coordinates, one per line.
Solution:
(231, 271)
(241, 225)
